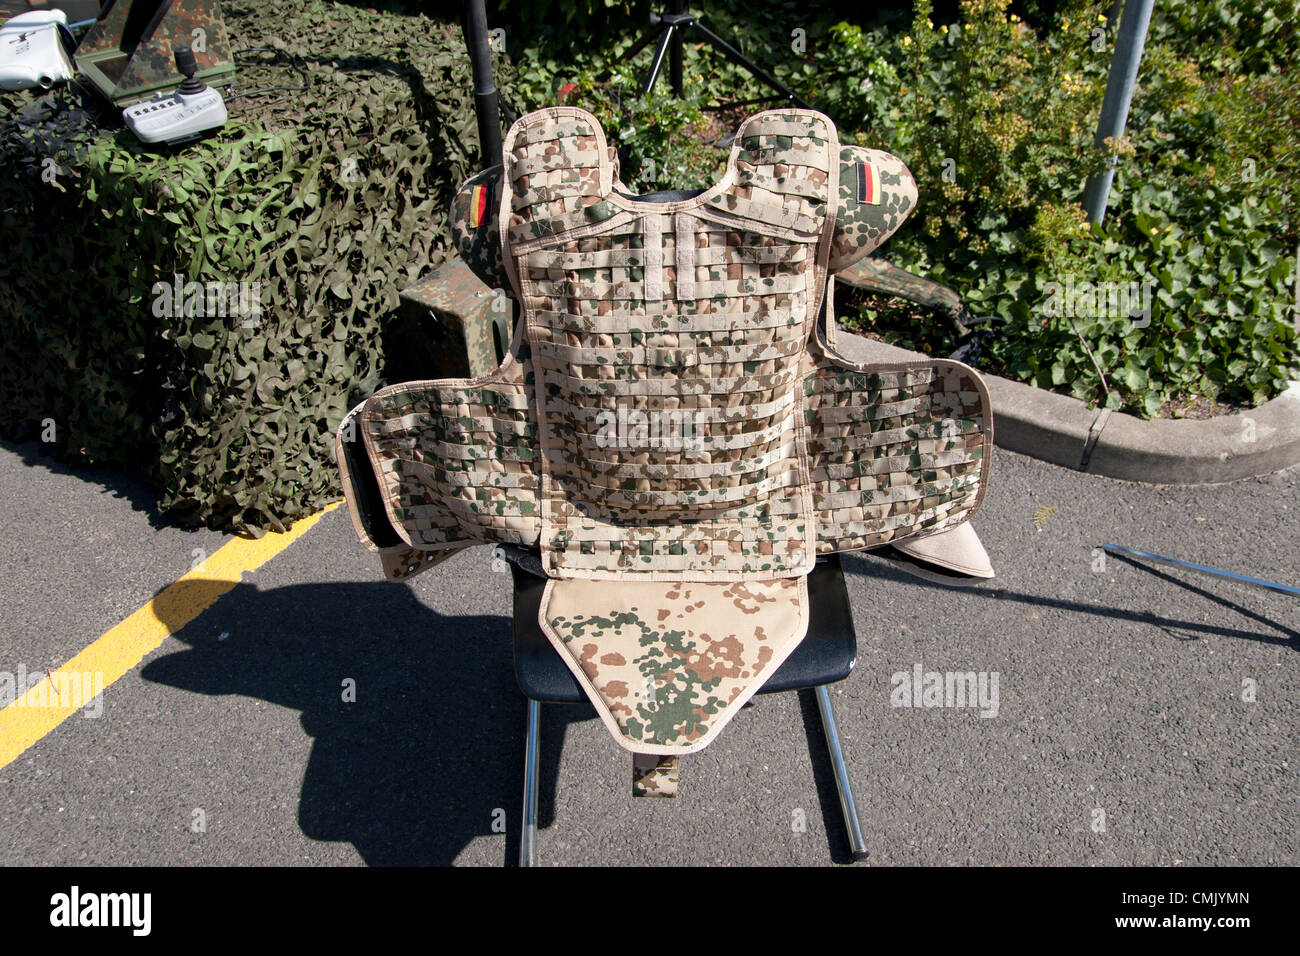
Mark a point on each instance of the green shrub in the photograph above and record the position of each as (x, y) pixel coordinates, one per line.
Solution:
(671, 142)
(996, 122)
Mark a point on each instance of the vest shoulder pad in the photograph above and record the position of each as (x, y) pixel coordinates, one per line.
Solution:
(783, 165)
(877, 193)
(558, 173)
(475, 232)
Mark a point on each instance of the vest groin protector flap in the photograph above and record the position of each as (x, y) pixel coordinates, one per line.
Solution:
(670, 426)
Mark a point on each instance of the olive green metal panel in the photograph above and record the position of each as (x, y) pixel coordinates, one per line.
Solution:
(473, 321)
(127, 53)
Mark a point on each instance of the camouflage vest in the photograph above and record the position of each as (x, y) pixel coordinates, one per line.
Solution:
(670, 426)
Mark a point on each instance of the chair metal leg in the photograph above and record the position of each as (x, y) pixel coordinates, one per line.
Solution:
(528, 839)
(850, 809)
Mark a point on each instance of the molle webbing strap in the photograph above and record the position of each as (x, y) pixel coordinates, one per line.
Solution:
(556, 263)
(895, 450)
(652, 239)
(765, 213)
(636, 292)
(684, 248)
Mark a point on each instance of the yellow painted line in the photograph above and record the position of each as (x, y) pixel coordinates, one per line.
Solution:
(52, 701)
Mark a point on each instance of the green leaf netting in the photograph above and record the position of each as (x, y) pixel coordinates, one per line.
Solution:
(300, 220)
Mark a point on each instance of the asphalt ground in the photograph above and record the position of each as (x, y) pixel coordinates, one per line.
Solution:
(1124, 732)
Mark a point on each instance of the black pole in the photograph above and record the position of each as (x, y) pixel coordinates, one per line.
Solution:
(675, 54)
(486, 105)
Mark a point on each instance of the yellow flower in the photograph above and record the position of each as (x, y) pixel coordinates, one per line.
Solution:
(907, 41)
(1065, 25)
(1101, 18)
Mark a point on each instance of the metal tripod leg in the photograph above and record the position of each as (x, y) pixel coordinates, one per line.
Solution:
(665, 38)
(528, 838)
(674, 27)
(745, 63)
(847, 806)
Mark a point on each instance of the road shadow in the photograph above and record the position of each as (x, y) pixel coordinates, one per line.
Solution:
(1182, 630)
(430, 754)
(1286, 635)
(130, 486)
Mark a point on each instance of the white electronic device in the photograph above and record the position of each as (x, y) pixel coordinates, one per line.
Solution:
(32, 52)
(193, 108)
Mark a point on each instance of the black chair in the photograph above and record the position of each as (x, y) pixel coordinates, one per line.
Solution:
(826, 655)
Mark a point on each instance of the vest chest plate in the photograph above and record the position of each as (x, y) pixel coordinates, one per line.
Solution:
(668, 344)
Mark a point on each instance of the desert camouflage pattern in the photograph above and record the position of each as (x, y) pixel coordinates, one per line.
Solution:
(398, 561)
(863, 426)
(701, 310)
(480, 245)
(860, 228)
(697, 309)
(868, 426)
(470, 294)
(654, 775)
(863, 223)
(461, 460)
(456, 460)
(667, 665)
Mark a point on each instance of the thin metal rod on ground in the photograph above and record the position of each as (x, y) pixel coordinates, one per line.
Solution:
(1203, 569)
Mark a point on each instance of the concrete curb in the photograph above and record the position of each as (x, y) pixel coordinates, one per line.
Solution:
(1064, 431)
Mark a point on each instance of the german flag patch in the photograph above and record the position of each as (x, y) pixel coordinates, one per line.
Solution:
(868, 185)
(478, 201)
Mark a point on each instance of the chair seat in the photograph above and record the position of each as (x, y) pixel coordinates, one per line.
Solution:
(827, 654)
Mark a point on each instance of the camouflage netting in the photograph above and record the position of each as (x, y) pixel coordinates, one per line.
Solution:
(317, 206)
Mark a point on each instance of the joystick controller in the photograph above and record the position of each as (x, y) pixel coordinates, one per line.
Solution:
(193, 108)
